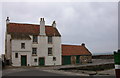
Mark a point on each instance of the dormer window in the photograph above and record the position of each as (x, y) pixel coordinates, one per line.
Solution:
(35, 39)
(49, 39)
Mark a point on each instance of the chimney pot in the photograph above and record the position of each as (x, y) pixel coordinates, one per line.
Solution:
(83, 44)
(7, 20)
(40, 19)
(118, 50)
(43, 19)
(54, 24)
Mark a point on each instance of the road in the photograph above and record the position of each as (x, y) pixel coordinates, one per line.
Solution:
(33, 73)
(38, 73)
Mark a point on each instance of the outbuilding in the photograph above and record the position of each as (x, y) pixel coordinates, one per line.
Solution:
(75, 54)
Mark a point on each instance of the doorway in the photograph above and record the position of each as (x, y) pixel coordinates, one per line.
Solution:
(41, 61)
(73, 59)
(23, 60)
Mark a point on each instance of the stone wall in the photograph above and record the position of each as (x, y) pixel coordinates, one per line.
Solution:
(85, 59)
(102, 57)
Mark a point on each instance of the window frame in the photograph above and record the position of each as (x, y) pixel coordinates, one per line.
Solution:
(35, 39)
(16, 55)
(34, 51)
(50, 39)
(54, 58)
(22, 45)
(50, 51)
(35, 59)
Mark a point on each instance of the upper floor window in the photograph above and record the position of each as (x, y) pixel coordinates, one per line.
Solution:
(35, 38)
(34, 50)
(49, 51)
(49, 39)
(22, 45)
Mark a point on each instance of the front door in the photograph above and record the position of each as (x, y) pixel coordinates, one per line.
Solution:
(23, 60)
(41, 61)
(73, 59)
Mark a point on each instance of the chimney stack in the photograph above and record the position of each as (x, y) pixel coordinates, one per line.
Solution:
(42, 26)
(54, 24)
(7, 20)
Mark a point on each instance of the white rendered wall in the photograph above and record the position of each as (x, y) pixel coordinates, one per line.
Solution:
(17, 61)
(56, 47)
(16, 45)
(16, 48)
(33, 63)
(57, 50)
(8, 52)
(42, 50)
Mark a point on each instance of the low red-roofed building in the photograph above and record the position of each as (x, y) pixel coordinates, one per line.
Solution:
(75, 54)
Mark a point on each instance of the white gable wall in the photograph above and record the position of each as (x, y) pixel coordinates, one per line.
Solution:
(8, 47)
(42, 50)
(56, 46)
(16, 48)
(17, 61)
(57, 50)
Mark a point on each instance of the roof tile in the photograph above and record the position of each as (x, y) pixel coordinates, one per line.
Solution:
(74, 50)
(31, 29)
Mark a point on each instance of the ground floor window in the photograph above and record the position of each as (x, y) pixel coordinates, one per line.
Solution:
(54, 58)
(49, 51)
(16, 55)
(35, 60)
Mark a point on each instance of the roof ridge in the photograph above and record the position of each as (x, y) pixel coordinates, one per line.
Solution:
(29, 24)
(70, 45)
(22, 23)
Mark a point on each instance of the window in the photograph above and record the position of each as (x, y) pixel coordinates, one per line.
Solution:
(35, 60)
(16, 55)
(22, 45)
(49, 39)
(35, 38)
(54, 58)
(34, 50)
(49, 51)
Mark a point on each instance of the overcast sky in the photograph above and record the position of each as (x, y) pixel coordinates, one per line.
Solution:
(92, 23)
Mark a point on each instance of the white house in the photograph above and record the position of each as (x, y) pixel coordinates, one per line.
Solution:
(32, 45)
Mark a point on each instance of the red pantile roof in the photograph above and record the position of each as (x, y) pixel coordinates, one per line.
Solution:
(30, 29)
(74, 50)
